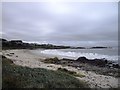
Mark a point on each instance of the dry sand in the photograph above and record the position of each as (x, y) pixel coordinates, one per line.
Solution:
(26, 58)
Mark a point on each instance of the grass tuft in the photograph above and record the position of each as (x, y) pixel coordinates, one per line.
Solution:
(71, 72)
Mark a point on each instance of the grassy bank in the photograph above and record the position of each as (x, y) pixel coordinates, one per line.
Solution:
(23, 77)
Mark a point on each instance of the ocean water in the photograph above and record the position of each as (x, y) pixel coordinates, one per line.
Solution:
(107, 53)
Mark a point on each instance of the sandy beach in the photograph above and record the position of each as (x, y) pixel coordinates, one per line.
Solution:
(24, 58)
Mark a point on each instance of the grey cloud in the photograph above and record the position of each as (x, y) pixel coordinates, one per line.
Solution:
(64, 22)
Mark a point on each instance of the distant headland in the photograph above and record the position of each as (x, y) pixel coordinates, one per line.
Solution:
(19, 44)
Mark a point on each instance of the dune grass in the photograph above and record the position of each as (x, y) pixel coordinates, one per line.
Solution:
(23, 77)
(71, 72)
(51, 60)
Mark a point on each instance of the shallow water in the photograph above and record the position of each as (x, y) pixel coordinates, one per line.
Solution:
(107, 53)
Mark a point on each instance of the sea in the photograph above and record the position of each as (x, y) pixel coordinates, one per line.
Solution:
(110, 54)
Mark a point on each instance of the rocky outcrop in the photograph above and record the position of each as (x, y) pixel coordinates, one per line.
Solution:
(96, 62)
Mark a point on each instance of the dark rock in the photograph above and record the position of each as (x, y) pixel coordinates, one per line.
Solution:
(3, 56)
(116, 66)
(63, 69)
(58, 62)
(16, 41)
(106, 61)
(66, 59)
(3, 40)
(8, 54)
(99, 62)
(95, 62)
(11, 53)
(82, 59)
(98, 47)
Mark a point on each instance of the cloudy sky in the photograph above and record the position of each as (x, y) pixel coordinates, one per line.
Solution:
(62, 23)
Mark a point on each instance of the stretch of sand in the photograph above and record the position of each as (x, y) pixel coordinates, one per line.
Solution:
(26, 58)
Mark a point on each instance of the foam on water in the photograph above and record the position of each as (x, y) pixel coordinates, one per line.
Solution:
(79, 54)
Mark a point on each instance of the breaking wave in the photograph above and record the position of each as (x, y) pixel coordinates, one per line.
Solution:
(79, 54)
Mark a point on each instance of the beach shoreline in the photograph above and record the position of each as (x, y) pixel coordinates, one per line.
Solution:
(25, 58)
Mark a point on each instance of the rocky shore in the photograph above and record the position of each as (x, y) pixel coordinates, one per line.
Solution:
(94, 74)
(100, 66)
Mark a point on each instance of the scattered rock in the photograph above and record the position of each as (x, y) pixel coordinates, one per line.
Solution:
(49, 66)
(116, 66)
(3, 56)
(8, 55)
(12, 53)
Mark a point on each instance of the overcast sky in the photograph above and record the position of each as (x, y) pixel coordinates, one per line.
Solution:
(65, 23)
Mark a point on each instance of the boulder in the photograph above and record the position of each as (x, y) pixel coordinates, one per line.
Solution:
(82, 59)
(116, 66)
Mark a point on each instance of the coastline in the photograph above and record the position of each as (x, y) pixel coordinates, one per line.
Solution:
(24, 58)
